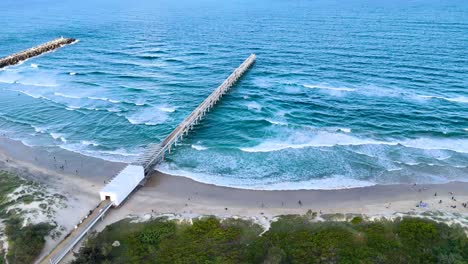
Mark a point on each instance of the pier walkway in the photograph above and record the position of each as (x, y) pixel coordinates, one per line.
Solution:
(133, 175)
(35, 51)
(155, 152)
(62, 249)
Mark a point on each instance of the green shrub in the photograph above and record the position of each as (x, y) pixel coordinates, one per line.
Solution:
(290, 239)
(357, 220)
(25, 243)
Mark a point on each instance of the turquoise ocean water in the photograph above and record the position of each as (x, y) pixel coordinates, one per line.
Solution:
(343, 94)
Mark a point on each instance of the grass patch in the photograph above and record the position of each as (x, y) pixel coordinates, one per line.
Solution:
(8, 184)
(291, 239)
(24, 243)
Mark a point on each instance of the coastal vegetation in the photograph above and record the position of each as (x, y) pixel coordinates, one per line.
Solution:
(24, 238)
(290, 239)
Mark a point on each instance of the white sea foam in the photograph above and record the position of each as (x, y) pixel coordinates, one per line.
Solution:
(344, 130)
(199, 147)
(167, 109)
(122, 152)
(58, 136)
(98, 98)
(39, 129)
(113, 110)
(72, 108)
(118, 155)
(72, 73)
(9, 77)
(254, 106)
(274, 122)
(262, 82)
(299, 140)
(331, 183)
(89, 143)
(140, 102)
(66, 96)
(37, 82)
(31, 78)
(34, 65)
(459, 99)
(37, 96)
(149, 116)
(325, 87)
(302, 140)
(457, 145)
(105, 99)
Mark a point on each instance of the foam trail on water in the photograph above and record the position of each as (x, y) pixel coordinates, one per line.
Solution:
(254, 106)
(340, 89)
(274, 122)
(459, 99)
(199, 147)
(66, 96)
(150, 116)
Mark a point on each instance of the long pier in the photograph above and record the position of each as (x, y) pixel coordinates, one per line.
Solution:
(35, 51)
(125, 183)
(67, 244)
(155, 152)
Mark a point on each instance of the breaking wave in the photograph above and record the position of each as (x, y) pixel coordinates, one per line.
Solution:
(300, 140)
(150, 116)
(329, 183)
(58, 136)
(459, 99)
(199, 147)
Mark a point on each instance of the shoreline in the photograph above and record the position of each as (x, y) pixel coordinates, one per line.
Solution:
(164, 194)
(97, 171)
(105, 169)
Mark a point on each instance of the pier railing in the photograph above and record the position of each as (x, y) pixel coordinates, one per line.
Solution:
(155, 152)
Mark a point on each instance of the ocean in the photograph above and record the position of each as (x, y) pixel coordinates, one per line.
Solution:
(343, 93)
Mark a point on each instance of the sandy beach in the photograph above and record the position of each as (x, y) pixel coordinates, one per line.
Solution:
(43, 166)
(166, 194)
(82, 177)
